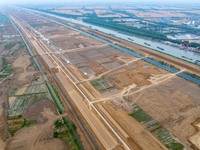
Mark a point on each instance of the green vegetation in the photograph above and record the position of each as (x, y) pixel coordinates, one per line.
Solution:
(3, 19)
(193, 75)
(139, 31)
(71, 127)
(63, 131)
(156, 129)
(34, 93)
(21, 45)
(12, 91)
(127, 29)
(54, 95)
(130, 15)
(23, 102)
(153, 126)
(28, 123)
(148, 33)
(6, 69)
(70, 135)
(10, 45)
(166, 138)
(166, 64)
(184, 29)
(16, 123)
(140, 115)
(101, 84)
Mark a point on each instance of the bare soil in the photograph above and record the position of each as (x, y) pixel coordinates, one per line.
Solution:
(175, 105)
(138, 136)
(34, 112)
(137, 73)
(38, 137)
(195, 138)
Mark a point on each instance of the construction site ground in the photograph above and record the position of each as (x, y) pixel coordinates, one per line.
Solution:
(23, 97)
(104, 84)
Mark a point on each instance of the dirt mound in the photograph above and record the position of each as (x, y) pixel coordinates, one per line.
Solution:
(34, 112)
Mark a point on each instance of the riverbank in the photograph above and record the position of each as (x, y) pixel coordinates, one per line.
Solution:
(146, 51)
(153, 45)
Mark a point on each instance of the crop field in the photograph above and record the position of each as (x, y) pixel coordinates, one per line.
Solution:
(27, 95)
(140, 115)
(19, 45)
(154, 127)
(16, 123)
(163, 103)
(6, 70)
(101, 84)
(33, 94)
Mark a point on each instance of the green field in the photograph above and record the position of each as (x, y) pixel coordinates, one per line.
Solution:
(101, 84)
(166, 138)
(156, 129)
(33, 94)
(140, 115)
(16, 123)
(6, 69)
(10, 45)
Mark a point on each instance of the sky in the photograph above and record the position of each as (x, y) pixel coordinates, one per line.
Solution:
(100, 1)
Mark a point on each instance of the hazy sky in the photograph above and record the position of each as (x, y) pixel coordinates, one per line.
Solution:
(101, 1)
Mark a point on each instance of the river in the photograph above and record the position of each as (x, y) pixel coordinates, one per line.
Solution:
(170, 50)
(128, 51)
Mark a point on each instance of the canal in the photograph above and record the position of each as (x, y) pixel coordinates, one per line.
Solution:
(130, 52)
(154, 45)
